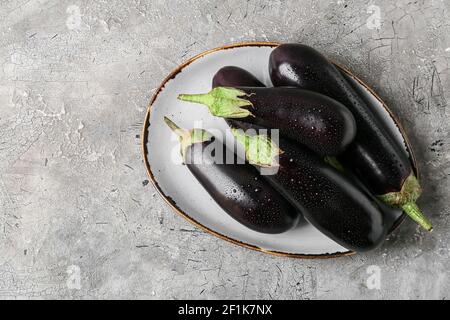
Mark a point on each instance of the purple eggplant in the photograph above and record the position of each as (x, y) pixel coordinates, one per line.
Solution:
(238, 78)
(327, 198)
(231, 76)
(237, 187)
(373, 156)
(314, 120)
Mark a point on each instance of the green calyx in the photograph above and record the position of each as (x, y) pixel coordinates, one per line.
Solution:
(406, 199)
(225, 102)
(188, 137)
(259, 149)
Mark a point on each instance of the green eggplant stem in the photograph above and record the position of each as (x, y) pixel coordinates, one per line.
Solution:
(334, 162)
(225, 102)
(413, 211)
(201, 98)
(187, 137)
(175, 128)
(259, 149)
(406, 199)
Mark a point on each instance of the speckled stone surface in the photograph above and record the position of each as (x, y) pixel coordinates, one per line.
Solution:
(75, 203)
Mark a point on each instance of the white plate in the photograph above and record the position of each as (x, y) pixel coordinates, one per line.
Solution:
(182, 191)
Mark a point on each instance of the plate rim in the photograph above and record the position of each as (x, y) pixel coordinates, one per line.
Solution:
(180, 212)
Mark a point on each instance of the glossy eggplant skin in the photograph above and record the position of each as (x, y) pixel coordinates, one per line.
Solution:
(327, 198)
(231, 76)
(374, 157)
(239, 190)
(312, 119)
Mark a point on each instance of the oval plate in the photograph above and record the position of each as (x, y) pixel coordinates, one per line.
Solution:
(183, 192)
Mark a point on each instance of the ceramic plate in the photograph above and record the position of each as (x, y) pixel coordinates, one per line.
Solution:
(181, 190)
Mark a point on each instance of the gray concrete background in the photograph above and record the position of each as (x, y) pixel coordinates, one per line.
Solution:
(75, 79)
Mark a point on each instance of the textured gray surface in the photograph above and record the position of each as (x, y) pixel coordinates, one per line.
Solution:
(73, 196)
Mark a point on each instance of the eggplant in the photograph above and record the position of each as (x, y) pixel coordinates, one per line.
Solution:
(320, 123)
(328, 199)
(236, 186)
(373, 156)
(231, 76)
(390, 214)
